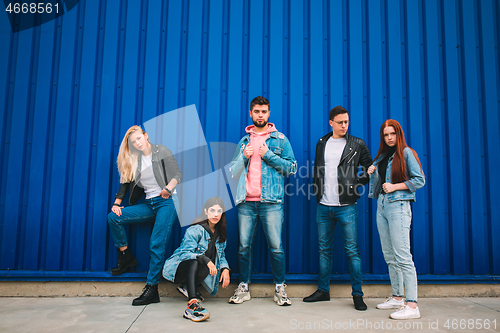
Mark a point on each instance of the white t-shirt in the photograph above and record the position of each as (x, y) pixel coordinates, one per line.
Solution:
(148, 181)
(333, 153)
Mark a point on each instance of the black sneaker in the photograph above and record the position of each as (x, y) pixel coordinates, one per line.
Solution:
(358, 303)
(317, 296)
(149, 295)
(125, 260)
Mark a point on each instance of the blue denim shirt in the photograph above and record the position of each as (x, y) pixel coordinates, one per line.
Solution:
(194, 243)
(276, 163)
(416, 178)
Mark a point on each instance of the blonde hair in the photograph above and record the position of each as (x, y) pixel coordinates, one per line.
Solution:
(127, 157)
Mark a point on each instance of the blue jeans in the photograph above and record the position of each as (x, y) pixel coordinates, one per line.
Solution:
(156, 210)
(393, 224)
(271, 217)
(327, 217)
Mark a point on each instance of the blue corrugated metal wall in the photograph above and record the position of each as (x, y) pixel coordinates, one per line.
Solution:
(71, 87)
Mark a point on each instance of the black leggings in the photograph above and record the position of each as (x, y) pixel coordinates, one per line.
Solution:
(191, 272)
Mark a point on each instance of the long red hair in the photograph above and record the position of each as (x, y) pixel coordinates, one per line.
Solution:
(398, 168)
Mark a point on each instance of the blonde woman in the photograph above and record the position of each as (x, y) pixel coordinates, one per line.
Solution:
(150, 170)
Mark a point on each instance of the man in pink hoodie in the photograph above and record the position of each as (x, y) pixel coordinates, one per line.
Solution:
(264, 156)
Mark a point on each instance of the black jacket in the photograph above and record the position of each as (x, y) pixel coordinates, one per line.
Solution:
(164, 167)
(355, 153)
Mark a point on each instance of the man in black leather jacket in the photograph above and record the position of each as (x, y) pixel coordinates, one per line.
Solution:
(336, 184)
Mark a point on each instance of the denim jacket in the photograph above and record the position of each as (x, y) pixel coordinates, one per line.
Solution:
(194, 243)
(416, 178)
(276, 163)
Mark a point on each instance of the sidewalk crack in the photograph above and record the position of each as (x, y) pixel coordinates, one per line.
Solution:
(481, 304)
(128, 329)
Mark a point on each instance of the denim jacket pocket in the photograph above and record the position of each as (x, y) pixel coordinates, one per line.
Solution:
(200, 249)
(276, 150)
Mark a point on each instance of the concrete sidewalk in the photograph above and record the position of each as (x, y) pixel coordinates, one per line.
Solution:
(115, 314)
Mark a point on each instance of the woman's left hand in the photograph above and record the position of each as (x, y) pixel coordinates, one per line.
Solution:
(224, 278)
(388, 187)
(164, 194)
(212, 268)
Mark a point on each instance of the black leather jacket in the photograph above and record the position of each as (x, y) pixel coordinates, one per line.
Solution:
(164, 167)
(355, 153)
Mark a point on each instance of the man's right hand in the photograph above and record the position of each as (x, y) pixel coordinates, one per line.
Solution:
(248, 151)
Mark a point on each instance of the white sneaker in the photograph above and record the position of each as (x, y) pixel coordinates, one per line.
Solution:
(240, 295)
(391, 303)
(183, 290)
(405, 312)
(280, 296)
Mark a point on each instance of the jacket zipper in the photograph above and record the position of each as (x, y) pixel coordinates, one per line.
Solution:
(131, 191)
(352, 157)
(346, 156)
(161, 172)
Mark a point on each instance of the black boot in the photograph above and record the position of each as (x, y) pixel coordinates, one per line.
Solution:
(318, 295)
(125, 260)
(358, 303)
(149, 295)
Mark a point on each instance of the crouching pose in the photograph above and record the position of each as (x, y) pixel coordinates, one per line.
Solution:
(200, 259)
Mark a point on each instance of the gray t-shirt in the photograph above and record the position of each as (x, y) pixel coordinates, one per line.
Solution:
(333, 153)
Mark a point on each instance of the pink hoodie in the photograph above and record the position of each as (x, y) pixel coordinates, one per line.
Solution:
(254, 174)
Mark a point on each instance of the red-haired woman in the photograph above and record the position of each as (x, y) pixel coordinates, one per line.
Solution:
(395, 175)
